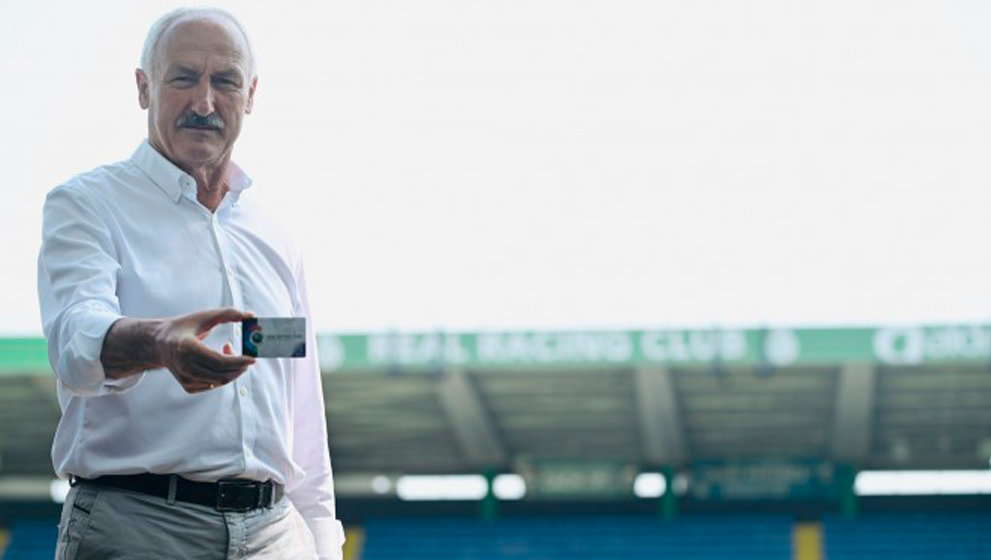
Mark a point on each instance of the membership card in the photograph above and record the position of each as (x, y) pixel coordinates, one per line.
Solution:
(274, 337)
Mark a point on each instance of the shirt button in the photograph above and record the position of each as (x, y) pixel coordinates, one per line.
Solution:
(247, 453)
(244, 391)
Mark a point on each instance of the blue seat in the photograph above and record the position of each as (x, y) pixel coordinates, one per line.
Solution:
(32, 539)
(909, 535)
(702, 537)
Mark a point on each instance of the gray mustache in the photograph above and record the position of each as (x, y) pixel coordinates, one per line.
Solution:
(192, 120)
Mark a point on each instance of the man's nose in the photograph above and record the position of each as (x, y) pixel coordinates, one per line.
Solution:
(203, 99)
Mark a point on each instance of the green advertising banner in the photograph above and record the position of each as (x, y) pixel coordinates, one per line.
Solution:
(20, 355)
(561, 479)
(764, 480)
(770, 347)
(901, 346)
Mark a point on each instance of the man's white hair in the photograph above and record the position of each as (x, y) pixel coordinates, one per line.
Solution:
(165, 22)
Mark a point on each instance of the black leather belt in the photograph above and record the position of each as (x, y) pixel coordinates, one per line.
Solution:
(224, 495)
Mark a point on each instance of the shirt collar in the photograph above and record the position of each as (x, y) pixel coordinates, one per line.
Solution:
(176, 182)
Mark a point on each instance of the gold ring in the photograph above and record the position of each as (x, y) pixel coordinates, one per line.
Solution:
(212, 386)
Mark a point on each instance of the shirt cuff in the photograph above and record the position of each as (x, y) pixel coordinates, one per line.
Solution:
(328, 537)
(79, 366)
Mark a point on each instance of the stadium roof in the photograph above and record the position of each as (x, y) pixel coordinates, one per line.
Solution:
(903, 397)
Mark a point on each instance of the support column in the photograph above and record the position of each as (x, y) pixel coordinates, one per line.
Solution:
(489, 509)
(846, 475)
(669, 500)
(470, 421)
(660, 417)
(852, 413)
(852, 425)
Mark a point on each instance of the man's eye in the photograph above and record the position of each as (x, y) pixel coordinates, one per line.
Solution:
(182, 80)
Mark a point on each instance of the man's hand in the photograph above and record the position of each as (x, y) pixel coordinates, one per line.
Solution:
(134, 345)
(195, 366)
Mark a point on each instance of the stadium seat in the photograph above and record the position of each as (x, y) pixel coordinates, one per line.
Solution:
(560, 538)
(909, 536)
(32, 539)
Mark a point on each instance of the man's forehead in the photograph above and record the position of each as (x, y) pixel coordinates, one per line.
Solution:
(188, 41)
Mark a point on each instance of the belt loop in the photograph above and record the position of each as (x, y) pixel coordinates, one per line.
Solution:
(173, 480)
(260, 502)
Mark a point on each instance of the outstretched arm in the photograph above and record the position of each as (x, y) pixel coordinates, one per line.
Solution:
(135, 345)
(93, 348)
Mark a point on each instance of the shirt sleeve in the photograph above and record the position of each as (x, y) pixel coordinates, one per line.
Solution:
(312, 492)
(77, 284)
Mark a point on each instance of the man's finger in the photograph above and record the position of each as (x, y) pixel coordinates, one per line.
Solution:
(214, 359)
(207, 382)
(220, 362)
(209, 373)
(215, 317)
(189, 383)
(193, 388)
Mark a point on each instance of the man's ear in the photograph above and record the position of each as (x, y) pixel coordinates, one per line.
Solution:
(251, 96)
(144, 96)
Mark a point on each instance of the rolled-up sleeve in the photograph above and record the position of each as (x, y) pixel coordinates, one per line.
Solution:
(77, 286)
(312, 493)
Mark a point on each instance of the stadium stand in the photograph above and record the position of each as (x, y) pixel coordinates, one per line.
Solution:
(909, 536)
(764, 430)
(700, 537)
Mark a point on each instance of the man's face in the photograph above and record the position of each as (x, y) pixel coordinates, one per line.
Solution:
(198, 92)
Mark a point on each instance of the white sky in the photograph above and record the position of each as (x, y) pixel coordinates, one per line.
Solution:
(469, 164)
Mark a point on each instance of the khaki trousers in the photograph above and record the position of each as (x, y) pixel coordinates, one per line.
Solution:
(100, 523)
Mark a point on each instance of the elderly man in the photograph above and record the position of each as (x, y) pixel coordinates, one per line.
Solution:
(177, 446)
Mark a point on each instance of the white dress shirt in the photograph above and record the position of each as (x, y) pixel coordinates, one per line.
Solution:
(131, 240)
